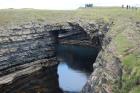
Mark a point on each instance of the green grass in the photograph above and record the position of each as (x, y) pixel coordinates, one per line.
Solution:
(136, 90)
(131, 74)
(13, 16)
(122, 43)
(124, 27)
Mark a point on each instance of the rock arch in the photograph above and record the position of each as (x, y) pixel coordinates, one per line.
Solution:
(25, 49)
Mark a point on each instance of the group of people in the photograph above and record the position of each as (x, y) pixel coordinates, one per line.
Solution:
(129, 7)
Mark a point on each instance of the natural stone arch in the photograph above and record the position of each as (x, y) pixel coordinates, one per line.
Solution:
(27, 48)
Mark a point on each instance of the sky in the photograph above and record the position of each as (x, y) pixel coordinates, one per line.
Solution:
(62, 4)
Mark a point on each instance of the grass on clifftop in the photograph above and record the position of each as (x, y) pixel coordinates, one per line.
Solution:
(125, 33)
(16, 16)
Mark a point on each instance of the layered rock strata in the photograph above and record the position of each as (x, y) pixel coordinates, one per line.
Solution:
(44, 80)
(26, 49)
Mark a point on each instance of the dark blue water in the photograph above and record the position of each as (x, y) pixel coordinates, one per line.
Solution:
(75, 66)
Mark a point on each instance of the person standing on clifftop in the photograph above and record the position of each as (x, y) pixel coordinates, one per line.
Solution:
(122, 6)
(127, 7)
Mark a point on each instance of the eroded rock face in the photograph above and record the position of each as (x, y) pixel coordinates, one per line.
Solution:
(26, 48)
(44, 80)
(106, 77)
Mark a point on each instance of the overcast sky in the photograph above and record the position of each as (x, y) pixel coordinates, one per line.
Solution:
(62, 4)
